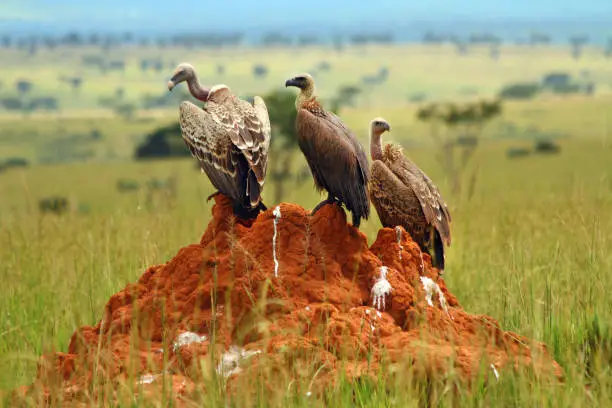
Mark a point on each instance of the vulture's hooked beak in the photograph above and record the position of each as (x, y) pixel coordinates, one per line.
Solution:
(293, 82)
(177, 78)
(387, 127)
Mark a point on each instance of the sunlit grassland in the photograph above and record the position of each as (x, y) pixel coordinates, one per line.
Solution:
(33, 136)
(530, 244)
(439, 72)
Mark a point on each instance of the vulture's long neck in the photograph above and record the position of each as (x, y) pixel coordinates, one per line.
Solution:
(375, 146)
(196, 89)
(304, 96)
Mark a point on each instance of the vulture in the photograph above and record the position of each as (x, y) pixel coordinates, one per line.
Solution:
(229, 137)
(336, 159)
(403, 195)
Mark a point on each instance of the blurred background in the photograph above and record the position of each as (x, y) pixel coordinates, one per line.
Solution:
(506, 105)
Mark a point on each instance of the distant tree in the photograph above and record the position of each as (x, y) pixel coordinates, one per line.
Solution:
(323, 66)
(126, 110)
(260, 71)
(96, 134)
(521, 90)
(460, 45)
(11, 103)
(220, 69)
(94, 39)
(144, 64)
(23, 87)
(72, 38)
(308, 40)
(115, 65)
(14, 162)
(49, 103)
(75, 82)
(106, 44)
(127, 37)
(92, 61)
(57, 205)
(7, 41)
(275, 39)
(383, 74)
(281, 109)
(537, 38)
(163, 142)
(372, 38)
(432, 38)
(346, 97)
(119, 92)
(158, 66)
(577, 44)
(608, 52)
(546, 146)
(456, 145)
(49, 42)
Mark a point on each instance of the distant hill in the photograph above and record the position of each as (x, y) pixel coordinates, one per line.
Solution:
(406, 20)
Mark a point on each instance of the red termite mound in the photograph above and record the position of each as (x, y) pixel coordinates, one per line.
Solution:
(330, 301)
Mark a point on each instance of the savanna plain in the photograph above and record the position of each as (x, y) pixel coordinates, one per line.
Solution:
(531, 235)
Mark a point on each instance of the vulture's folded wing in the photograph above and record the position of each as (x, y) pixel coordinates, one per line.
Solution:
(362, 158)
(209, 143)
(333, 160)
(246, 131)
(433, 205)
(395, 202)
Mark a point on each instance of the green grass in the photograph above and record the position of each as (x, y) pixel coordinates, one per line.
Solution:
(530, 245)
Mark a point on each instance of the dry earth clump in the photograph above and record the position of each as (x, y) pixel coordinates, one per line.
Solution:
(288, 297)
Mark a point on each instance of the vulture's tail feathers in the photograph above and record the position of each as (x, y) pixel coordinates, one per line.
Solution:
(437, 260)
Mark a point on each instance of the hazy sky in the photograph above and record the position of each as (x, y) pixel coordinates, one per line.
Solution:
(253, 14)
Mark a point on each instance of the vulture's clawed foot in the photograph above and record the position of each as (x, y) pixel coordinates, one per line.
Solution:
(213, 195)
(328, 200)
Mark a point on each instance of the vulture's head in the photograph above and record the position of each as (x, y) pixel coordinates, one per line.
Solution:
(302, 81)
(379, 126)
(182, 73)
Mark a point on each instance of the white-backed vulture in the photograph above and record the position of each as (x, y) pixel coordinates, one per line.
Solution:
(403, 195)
(336, 158)
(230, 138)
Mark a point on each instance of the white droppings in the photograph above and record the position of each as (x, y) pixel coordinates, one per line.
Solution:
(495, 372)
(398, 233)
(430, 286)
(307, 308)
(187, 338)
(372, 327)
(381, 289)
(147, 378)
(367, 311)
(277, 216)
(308, 393)
(378, 314)
(231, 359)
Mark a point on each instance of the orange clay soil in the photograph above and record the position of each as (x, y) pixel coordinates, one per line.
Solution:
(318, 313)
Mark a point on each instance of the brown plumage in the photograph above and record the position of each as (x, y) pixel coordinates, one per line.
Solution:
(403, 195)
(336, 159)
(230, 138)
